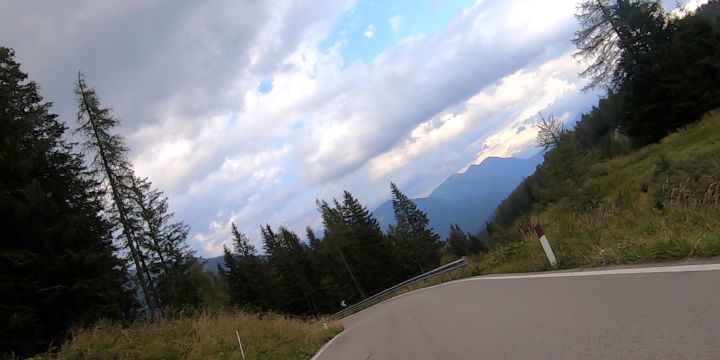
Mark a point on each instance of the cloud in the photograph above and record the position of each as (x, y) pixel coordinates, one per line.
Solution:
(370, 31)
(184, 76)
(396, 21)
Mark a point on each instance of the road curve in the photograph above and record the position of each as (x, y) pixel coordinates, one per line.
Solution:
(672, 314)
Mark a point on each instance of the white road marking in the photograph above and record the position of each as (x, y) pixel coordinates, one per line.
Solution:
(639, 270)
(325, 347)
(647, 270)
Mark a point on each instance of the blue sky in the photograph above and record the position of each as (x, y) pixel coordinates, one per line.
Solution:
(247, 111)
(374, 26)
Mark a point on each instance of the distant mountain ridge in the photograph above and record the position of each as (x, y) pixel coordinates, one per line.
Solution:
(493, 174)
(468, 199)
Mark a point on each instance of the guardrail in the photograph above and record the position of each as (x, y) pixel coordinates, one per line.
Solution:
(447, 268)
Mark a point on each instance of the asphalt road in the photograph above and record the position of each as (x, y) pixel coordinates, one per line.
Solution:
(654, 316)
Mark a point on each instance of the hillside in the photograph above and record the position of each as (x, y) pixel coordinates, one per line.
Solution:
(659, 203)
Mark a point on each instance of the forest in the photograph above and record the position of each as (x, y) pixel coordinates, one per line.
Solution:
(86, 239)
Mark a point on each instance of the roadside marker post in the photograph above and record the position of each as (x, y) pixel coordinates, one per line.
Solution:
(546, 245)
(241, 347)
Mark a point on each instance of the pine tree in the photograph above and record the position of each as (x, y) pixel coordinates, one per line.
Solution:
(288, 258)
(58, 269)
(370, 246)
(457, 242)
(162, 243)
(610, 31)
(422, 243)
(336, 236)
(461, 244)
(111, 164)
(676, 82)
(248, 276)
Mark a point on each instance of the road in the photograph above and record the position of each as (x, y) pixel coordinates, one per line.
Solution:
(671, 314)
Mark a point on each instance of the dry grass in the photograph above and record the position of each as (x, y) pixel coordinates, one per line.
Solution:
(660, 203)
(208, 336)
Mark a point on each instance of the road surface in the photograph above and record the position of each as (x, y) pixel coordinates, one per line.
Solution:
(654, 316)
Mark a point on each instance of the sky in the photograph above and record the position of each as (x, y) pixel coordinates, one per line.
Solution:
(247, 111)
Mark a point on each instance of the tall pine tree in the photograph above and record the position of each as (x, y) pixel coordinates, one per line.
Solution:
(420, 244)
(111, 165)
(57, 264)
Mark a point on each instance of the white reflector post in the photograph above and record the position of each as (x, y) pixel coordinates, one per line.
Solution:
(546, 245)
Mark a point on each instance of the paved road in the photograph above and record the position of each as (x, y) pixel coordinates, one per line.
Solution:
(654, 316)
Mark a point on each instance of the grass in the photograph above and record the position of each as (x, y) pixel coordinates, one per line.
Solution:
(660, 203)
(207, 336)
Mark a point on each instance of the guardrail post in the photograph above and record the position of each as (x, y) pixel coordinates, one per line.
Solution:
(451, 277)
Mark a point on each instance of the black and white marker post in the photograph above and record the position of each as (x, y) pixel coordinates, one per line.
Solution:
(546, 245)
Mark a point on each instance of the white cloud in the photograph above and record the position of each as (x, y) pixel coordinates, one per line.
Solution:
(370, 31)
(396, 22)
(688, 7)
(181, 71)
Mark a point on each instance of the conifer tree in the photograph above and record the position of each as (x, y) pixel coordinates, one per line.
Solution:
(412, 227)
(371, 248)
(336, 236)
(249, 276)
(111, 165)
(610, 31)
(162, 243)
(58, 270)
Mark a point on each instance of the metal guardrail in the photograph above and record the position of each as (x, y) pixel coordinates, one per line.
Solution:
(458, 264)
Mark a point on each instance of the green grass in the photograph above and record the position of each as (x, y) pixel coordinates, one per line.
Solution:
(207, 336)
(660, 203)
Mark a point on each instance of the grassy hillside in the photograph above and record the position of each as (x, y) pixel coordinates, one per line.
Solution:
(659, 203)
(200, 337)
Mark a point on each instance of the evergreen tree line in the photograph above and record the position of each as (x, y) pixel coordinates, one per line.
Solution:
(660, 73)
(83, 237)
(353, 259)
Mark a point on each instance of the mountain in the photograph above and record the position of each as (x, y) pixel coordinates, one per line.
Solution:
(492, 175)
(469, 213)
(468, 199)
(212, 263)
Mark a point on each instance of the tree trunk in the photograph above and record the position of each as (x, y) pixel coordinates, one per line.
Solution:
(362, 293)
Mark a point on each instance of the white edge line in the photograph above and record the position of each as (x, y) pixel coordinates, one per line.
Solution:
(641, 270)
(317, 355)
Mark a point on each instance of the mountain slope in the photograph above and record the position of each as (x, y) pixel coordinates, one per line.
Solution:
(468, 213)
(492, 175)
(468, 199)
